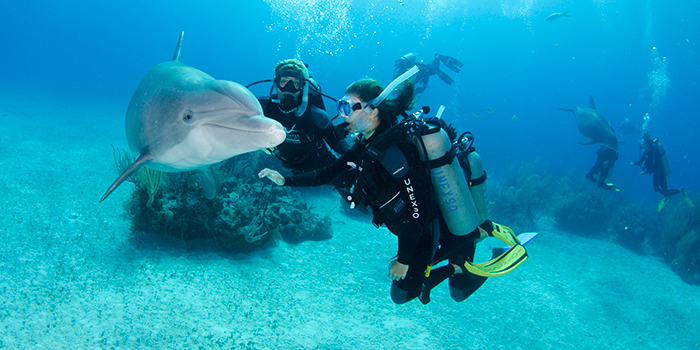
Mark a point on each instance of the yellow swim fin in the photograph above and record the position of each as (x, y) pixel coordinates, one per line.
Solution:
(663, 203)
(505, 262)
(687, 199)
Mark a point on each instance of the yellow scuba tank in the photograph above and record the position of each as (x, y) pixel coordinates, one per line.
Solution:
(451, 188)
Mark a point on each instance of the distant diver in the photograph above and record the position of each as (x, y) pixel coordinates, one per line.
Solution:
(596, 129)
(426, 70)
(655, 162)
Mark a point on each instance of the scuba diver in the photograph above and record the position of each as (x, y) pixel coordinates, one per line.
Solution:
(405, 173)
(606, 161)
(312, 140)
(655, 162)
(426, 70)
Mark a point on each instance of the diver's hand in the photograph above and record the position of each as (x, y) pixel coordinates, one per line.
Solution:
(340, 131)
(397, 270)
(273, 175)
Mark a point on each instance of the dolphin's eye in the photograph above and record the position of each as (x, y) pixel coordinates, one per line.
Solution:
(187, 116)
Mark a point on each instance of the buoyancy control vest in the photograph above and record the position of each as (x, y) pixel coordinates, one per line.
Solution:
(450, 187)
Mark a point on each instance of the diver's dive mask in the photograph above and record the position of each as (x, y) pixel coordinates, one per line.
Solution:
(347, 107)
(289, 84)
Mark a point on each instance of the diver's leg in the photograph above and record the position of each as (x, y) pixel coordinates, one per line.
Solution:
(410, 287)
(604, 171)
(465, 284)
(594, 170)
(657, 184)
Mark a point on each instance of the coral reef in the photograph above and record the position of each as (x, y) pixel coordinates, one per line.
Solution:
(580, 207)
(522, 198)
(677, 239)
(248, 213)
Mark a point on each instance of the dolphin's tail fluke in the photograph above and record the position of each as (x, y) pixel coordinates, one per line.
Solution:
(132, 169)
(176, 55)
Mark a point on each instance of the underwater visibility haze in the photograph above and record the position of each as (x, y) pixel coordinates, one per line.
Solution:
(608, 270)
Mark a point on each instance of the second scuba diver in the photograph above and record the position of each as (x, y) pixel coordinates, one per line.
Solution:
(312, 140)
(407, 61)
(655, 162)
(391, 174)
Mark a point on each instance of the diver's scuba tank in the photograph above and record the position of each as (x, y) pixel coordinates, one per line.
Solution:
(451, 188)
(470, 162)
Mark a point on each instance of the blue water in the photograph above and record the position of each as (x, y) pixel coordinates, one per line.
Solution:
(515, 62)
(59, 54)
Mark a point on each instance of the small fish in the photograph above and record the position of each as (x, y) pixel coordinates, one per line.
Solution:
(477, 95)
(477, 114)
(489, 110)
(556, 16)
(515, 117)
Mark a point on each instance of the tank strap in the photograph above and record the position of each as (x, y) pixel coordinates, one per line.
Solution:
(478, 181)
(444, 160)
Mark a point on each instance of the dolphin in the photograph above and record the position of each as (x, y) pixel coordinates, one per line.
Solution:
(182, 119)
(593, 126)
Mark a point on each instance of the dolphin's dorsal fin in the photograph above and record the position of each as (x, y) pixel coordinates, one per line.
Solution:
(176, 55)
(591, 103)
(132, 169)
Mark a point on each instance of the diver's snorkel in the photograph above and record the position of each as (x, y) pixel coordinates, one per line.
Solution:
(363, 124)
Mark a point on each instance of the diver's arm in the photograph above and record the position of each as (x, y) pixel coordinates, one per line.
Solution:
(332, 134)
(641, 160)
(312, 178)
(418, 212)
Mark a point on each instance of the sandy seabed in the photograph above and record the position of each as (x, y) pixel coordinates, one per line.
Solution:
(72, 275)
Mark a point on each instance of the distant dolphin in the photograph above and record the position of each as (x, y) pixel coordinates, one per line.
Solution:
(182, 119)
(593, 126)
(556, 16)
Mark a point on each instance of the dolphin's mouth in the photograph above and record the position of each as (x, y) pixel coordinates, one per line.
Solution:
(264, 134)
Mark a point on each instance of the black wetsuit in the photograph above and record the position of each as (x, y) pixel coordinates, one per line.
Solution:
(606, 160)
(309, 140)
(653, 164)
(396, 185)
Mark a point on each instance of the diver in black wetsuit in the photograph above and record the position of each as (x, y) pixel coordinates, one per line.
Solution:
(389, 176)
(653, 162)
(426, 70)
(312, 140)
(606, 161)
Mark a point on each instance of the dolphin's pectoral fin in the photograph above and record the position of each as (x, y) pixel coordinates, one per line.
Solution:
(587, 141)
(591, 103)
(208, 182)
(566, 109)
(132, 169)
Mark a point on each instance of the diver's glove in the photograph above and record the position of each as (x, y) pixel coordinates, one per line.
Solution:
(339, 131)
